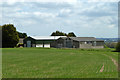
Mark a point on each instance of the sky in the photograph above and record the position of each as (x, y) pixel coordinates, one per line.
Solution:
(41, 18)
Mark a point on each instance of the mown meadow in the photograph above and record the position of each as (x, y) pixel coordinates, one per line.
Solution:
(59, 63)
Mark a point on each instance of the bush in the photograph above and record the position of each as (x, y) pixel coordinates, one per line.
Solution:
(118, 47)
(20, 45)
(105, 46)
(110, 44)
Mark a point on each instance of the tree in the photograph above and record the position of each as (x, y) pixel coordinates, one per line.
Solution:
(22, 35)
(71, 34)
(58, 33)
(0, 36)
(118, 47)
(10, 36)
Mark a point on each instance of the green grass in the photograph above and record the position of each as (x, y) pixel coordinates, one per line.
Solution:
(58, 63)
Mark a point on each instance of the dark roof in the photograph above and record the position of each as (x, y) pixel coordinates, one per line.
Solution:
(83, 38)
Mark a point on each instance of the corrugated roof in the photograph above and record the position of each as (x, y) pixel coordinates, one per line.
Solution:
(83, 39)
(46, 37)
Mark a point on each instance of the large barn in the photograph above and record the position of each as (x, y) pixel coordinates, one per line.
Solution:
(40, 41)
(63, 42)
(78, 42)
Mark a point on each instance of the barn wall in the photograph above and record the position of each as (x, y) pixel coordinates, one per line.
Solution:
(43, 41)
(68, 43)
(59, 43)
(89, 46)
(98, 47)
(75, 44)
(29, 39)
(33, 45)
(53, 44)
(39, 45)
(62, 43)
(85, 46)
(99, 44)
(65, 43)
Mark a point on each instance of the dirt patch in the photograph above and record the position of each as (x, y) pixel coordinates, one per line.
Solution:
(101, 70)
(114, 61)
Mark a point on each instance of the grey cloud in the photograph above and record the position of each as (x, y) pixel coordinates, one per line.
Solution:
(38, 5)
(79, 19)
(99, 10)
(97, 14)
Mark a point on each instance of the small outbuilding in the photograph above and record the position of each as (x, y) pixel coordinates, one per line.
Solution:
(78, 42)
(20, 43)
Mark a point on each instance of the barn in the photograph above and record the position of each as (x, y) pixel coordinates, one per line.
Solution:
(40, 41)
(78, 42)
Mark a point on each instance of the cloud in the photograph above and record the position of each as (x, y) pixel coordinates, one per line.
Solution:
(11, 2)
(99, 9)
(111, 26)
(56, 1)
(103, 0)
(83, 18)
(44, 15)
(65, 13)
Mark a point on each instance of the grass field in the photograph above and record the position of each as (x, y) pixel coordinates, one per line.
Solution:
(59, 63)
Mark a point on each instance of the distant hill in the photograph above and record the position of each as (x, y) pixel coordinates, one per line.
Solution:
(109, 39)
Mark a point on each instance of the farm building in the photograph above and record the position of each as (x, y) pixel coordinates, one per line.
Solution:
(21, 40)
(78, 42)
(40, 41)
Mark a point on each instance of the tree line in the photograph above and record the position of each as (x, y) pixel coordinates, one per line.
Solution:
(58, 33)
(10, 36)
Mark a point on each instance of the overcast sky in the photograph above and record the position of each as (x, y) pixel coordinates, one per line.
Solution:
(84, 18)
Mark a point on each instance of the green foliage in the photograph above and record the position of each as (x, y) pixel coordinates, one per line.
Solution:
(118, 47)
(58, 33)
(10, 36)
(71, 34)
(105, 46)
(22, 35)
(110, 44)
(20, 45)
(0, 27)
